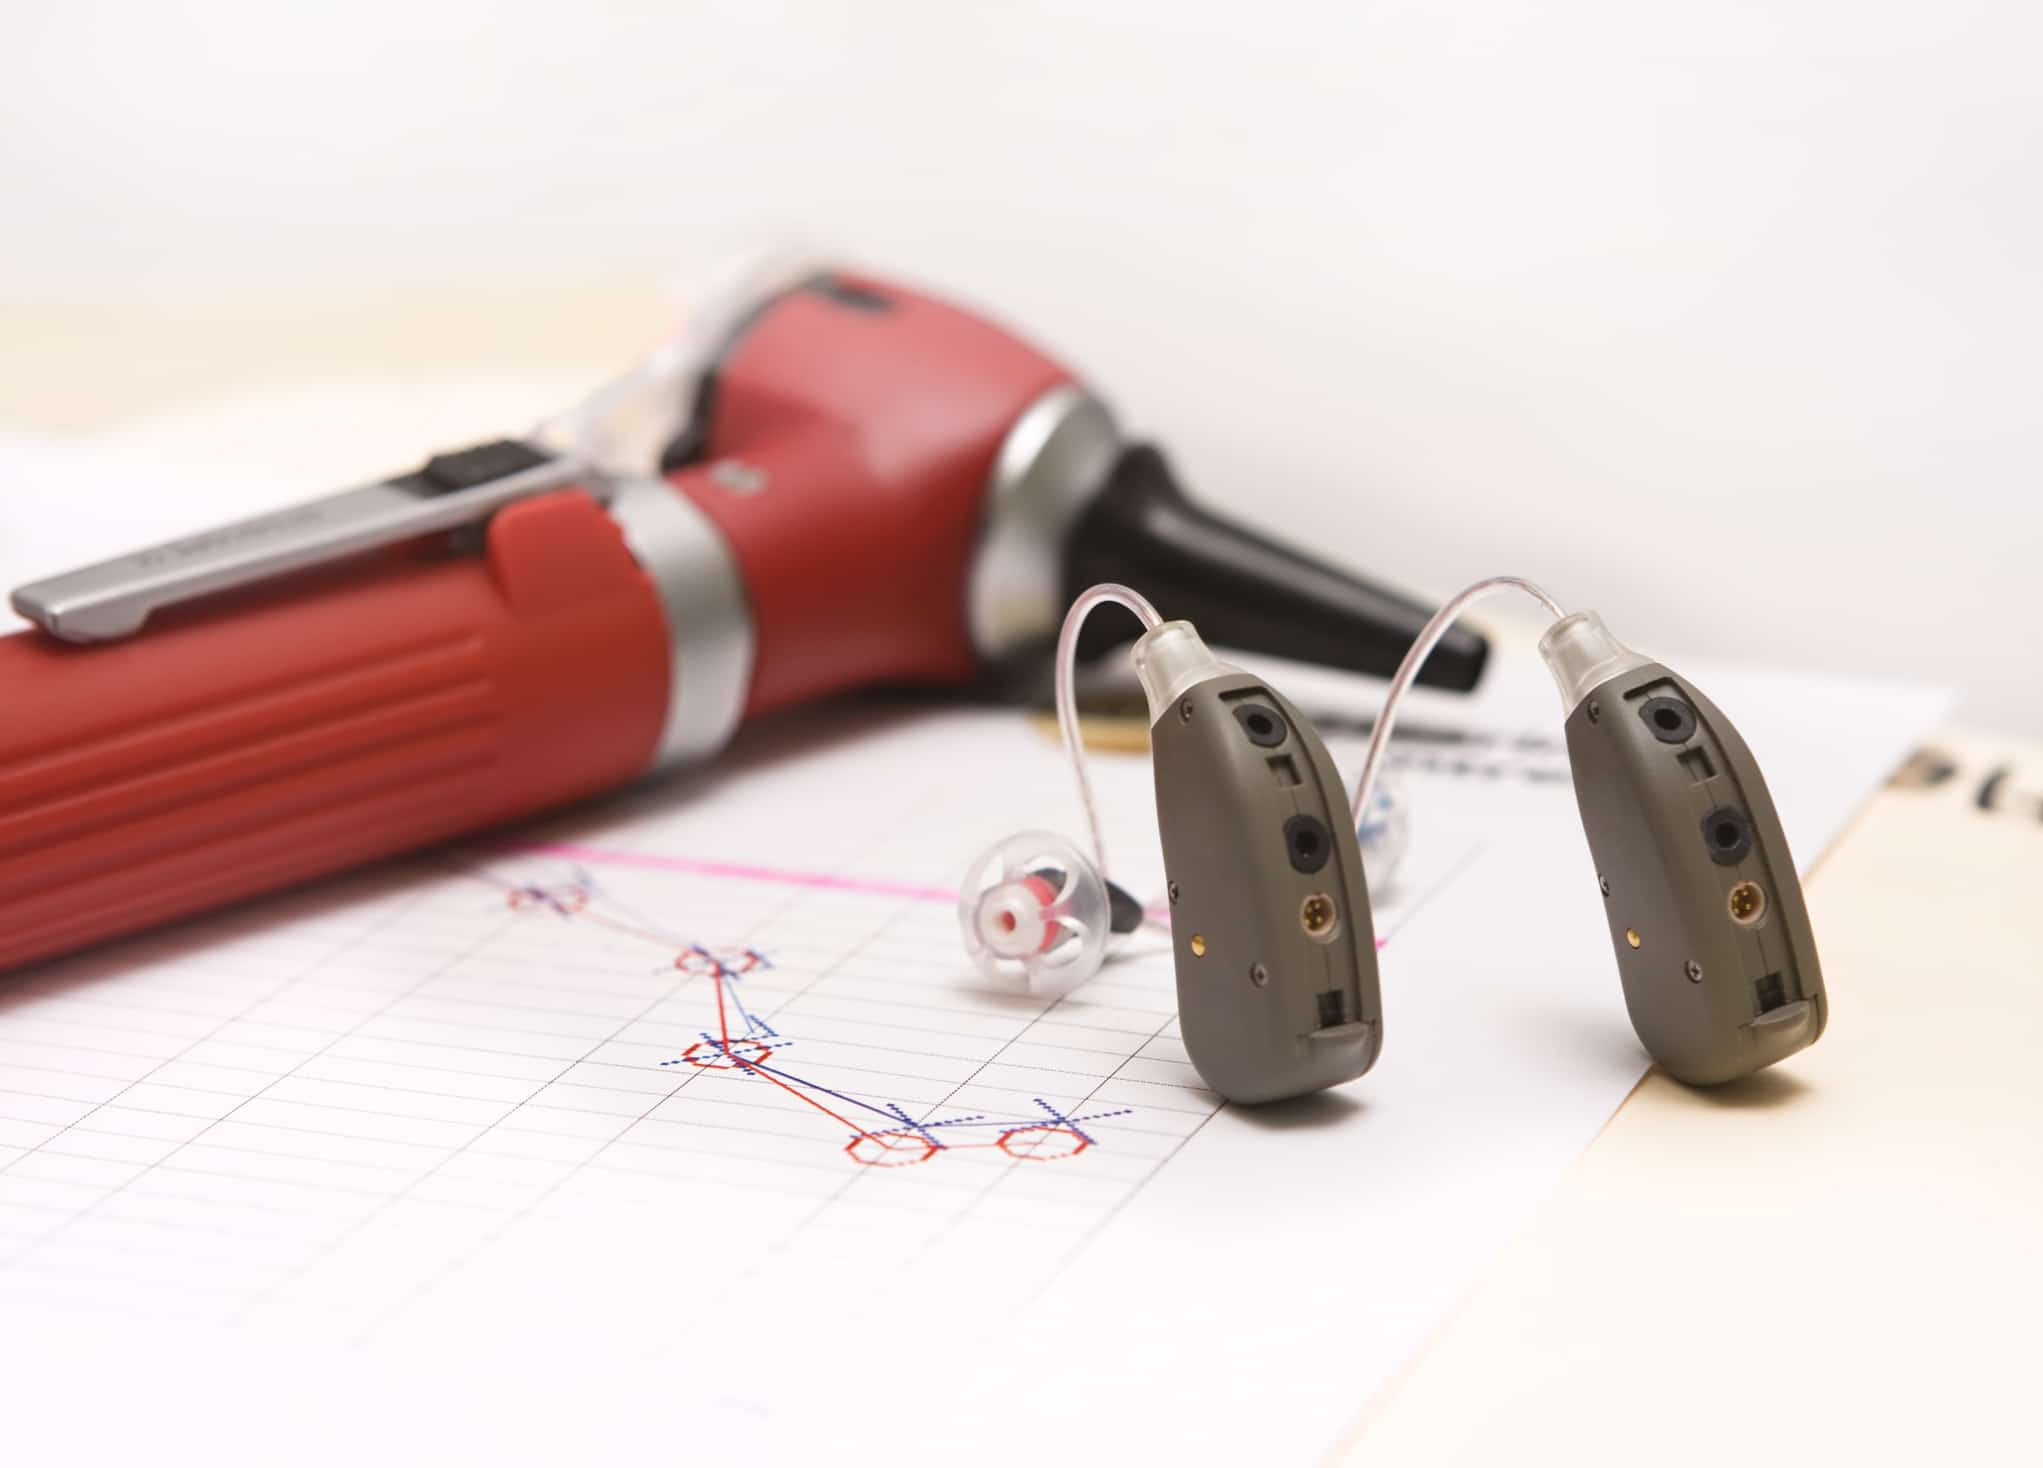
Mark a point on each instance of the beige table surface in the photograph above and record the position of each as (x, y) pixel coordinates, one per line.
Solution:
(1839, 1261)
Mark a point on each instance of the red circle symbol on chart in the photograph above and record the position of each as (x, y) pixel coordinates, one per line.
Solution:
(738, 1055)
(724, 965)
(900, 1149)
(1043, 1143)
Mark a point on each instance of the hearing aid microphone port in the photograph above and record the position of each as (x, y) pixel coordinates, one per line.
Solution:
(1307, 842)
(1263, 724)
(1727, 832)
(1671, 720)
(1319, 917)
(1747, 903)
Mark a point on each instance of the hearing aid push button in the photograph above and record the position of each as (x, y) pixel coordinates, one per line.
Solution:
(1728, 833)
(1308, 842)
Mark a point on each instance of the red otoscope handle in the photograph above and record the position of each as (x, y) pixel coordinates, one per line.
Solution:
(302, 728)
(822, 538)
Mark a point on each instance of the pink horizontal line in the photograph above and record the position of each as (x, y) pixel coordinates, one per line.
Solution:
(779, 876)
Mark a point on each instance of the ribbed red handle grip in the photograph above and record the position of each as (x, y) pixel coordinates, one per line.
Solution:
(259, 740)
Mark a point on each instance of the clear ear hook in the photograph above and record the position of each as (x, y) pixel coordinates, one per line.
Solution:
(1382, 810)
(1415, 658)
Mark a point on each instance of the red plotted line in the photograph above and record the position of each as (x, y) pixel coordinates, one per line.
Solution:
(764, 1074)
(904, 1141)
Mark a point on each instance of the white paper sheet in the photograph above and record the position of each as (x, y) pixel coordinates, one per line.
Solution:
(454, 1156)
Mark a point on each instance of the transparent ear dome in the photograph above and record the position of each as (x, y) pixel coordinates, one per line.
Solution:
(1034, 912)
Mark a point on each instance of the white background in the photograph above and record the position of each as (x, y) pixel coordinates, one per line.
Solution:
(1723, 319)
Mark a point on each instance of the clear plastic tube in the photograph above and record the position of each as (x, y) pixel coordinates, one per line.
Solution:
(1416, 657)
(1067, 699)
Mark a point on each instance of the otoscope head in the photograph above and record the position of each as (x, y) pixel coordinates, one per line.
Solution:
(1243, 589)
(1068, 503)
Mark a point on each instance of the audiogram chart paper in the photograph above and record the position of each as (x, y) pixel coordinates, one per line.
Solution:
(696, 1089)
(534, 1085)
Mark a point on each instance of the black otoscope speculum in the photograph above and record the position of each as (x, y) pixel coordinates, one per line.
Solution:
(1242, 589)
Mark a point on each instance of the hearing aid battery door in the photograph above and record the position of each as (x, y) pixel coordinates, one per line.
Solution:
(1700, 894)
(1270, 922)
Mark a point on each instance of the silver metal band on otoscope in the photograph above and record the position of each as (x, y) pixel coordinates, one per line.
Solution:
(1054, 460)
(711, 646)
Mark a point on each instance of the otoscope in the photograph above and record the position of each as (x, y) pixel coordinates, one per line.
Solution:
(855, 485)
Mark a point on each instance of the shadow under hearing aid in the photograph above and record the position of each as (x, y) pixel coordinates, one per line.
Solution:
(1573, 1034)
(1317, 1109)
(1760, 1091)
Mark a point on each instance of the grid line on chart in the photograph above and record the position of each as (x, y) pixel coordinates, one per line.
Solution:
(1454, 871)
(242, 1102)
(274, 993)
(502, 1106)
(682, 1083)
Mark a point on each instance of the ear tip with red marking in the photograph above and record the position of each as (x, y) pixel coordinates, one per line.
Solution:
(1034, 910)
